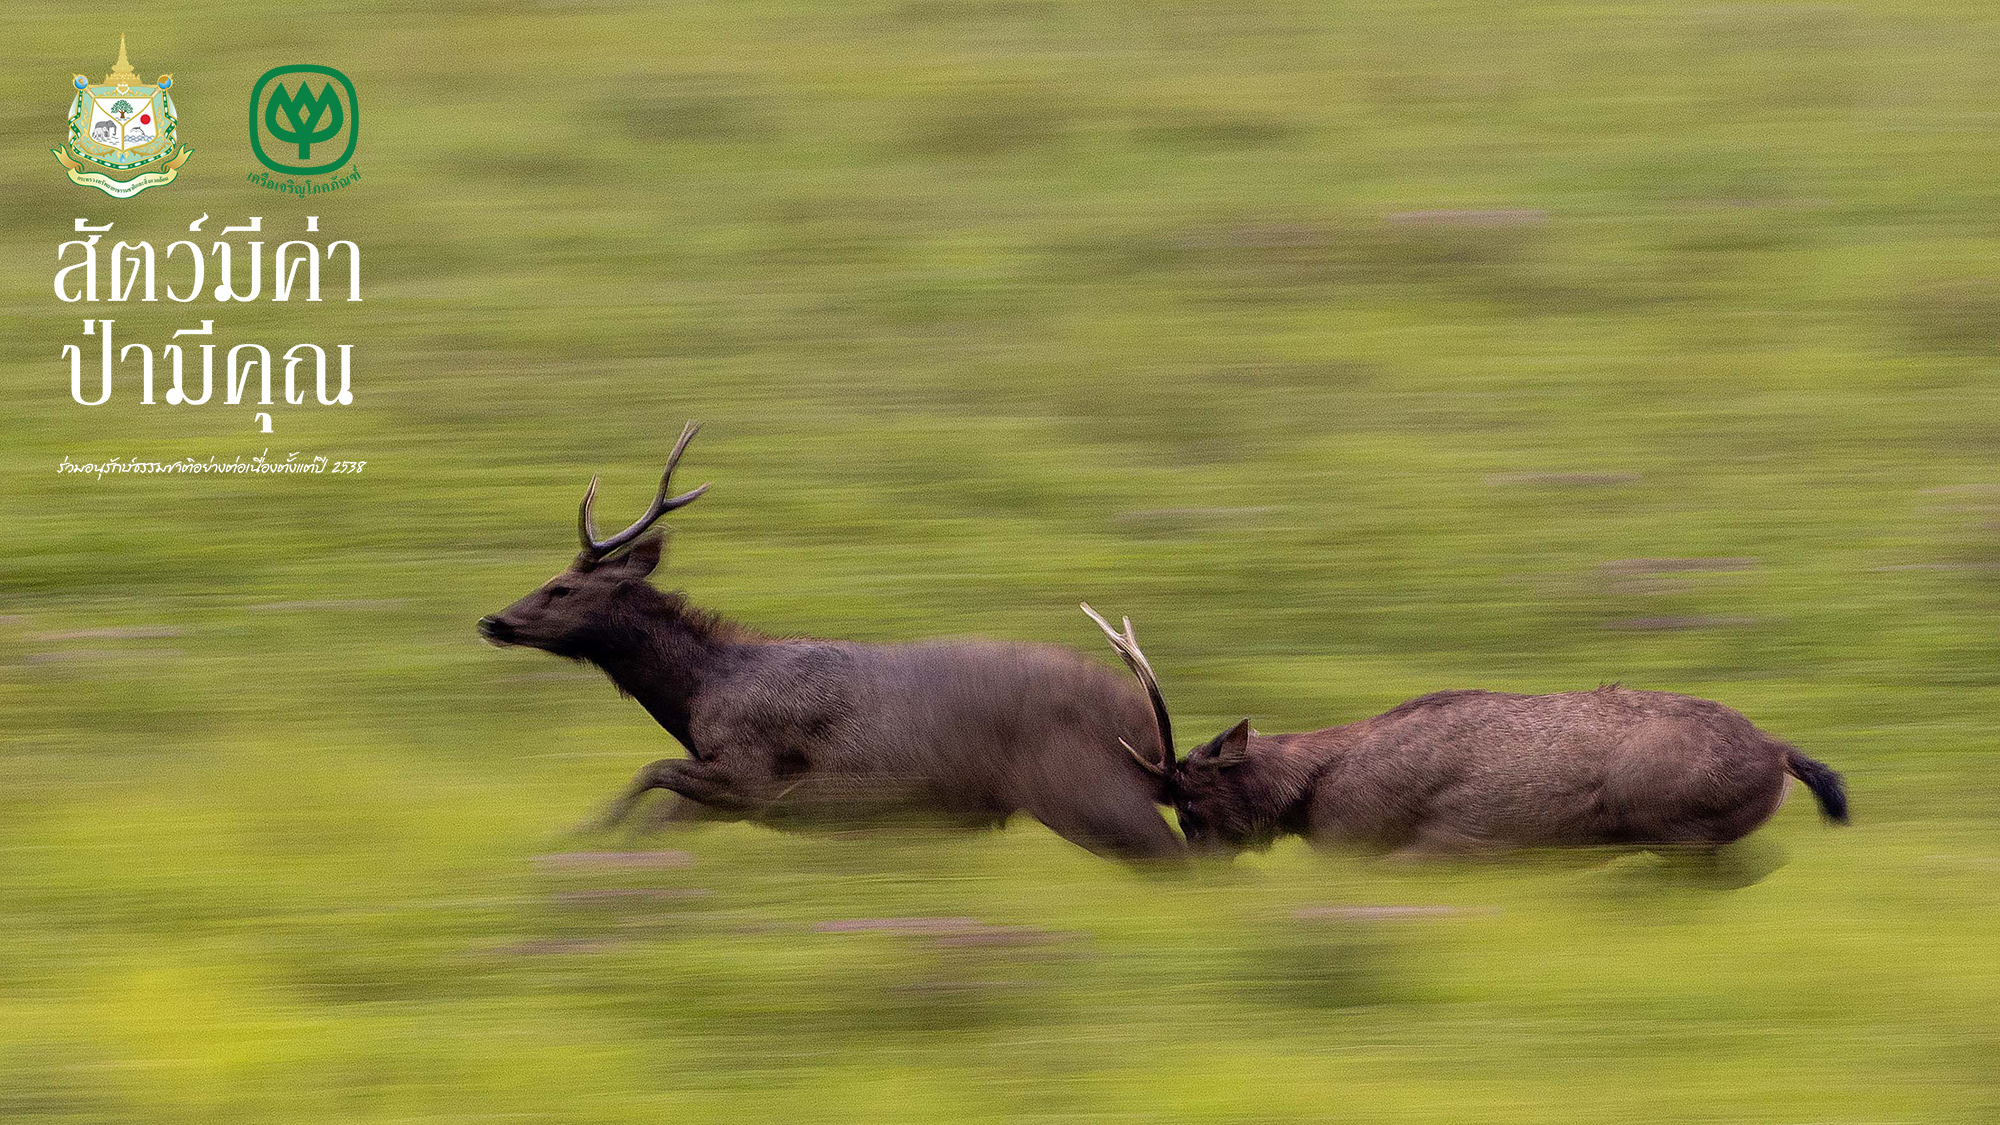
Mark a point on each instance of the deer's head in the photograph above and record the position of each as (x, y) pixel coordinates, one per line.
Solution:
(567, 614)
(1215, 798)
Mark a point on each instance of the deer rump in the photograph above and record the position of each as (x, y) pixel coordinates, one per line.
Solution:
(966, 733)
(1466, 769)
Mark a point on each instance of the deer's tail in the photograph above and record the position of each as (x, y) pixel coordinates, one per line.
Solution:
(1823, 780)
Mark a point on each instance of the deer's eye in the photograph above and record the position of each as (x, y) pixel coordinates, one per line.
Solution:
(558, 591)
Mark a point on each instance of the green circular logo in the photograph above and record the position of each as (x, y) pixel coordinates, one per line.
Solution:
(293, 128)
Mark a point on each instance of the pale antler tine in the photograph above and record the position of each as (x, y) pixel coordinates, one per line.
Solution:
(1101, 622)
(1126, 645)
(1151, 767)
(687, 434)
(686, 498)
(680, 446)
(586, 529)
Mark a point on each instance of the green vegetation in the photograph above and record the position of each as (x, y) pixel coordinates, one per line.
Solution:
(1354, 350)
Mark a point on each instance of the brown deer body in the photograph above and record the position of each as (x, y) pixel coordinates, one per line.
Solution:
(803, 732)
(1473, 770)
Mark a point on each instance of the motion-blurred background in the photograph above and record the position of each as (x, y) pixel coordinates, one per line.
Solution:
(1354, 350)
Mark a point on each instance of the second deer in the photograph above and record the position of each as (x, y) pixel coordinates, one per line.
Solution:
(1458, 771)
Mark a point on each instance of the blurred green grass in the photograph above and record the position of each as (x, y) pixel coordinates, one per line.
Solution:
(1354, 351)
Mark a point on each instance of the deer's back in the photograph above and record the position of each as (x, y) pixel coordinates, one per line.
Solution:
(1605, 766)
(968, 723)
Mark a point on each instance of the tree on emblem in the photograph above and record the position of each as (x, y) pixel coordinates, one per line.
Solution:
(123, 108)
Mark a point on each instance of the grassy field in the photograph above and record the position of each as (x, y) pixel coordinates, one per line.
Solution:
(1354, 350)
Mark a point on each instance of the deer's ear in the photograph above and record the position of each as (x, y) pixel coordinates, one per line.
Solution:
(643, 557)
(1232, 747)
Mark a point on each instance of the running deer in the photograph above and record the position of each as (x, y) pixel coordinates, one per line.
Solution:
(1476, 770)
(795, 732)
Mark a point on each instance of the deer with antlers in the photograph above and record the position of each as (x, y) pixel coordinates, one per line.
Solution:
(1458, 771)
(800, 732)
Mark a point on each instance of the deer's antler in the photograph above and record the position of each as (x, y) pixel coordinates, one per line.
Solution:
(662, 504)
(1127, 644)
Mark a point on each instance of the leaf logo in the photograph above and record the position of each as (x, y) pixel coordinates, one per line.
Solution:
(302, 119)
(290, 128)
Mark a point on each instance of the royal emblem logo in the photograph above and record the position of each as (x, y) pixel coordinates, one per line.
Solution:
(305, 120)
(122, 125)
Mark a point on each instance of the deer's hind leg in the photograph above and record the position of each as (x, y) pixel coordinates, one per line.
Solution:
(677, 810)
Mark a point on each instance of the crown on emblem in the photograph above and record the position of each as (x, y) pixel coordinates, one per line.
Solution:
(122, 73)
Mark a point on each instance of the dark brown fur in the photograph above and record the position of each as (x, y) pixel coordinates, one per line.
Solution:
(1474, 770)
(801, 731)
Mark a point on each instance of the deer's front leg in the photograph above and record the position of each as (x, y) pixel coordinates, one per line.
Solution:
(704, 782)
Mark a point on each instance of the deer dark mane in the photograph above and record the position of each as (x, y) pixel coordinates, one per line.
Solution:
(658, 648)
(647, 608)
(661, 626)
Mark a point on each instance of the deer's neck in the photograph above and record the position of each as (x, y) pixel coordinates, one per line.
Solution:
(1293, 765)
(663, 653)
